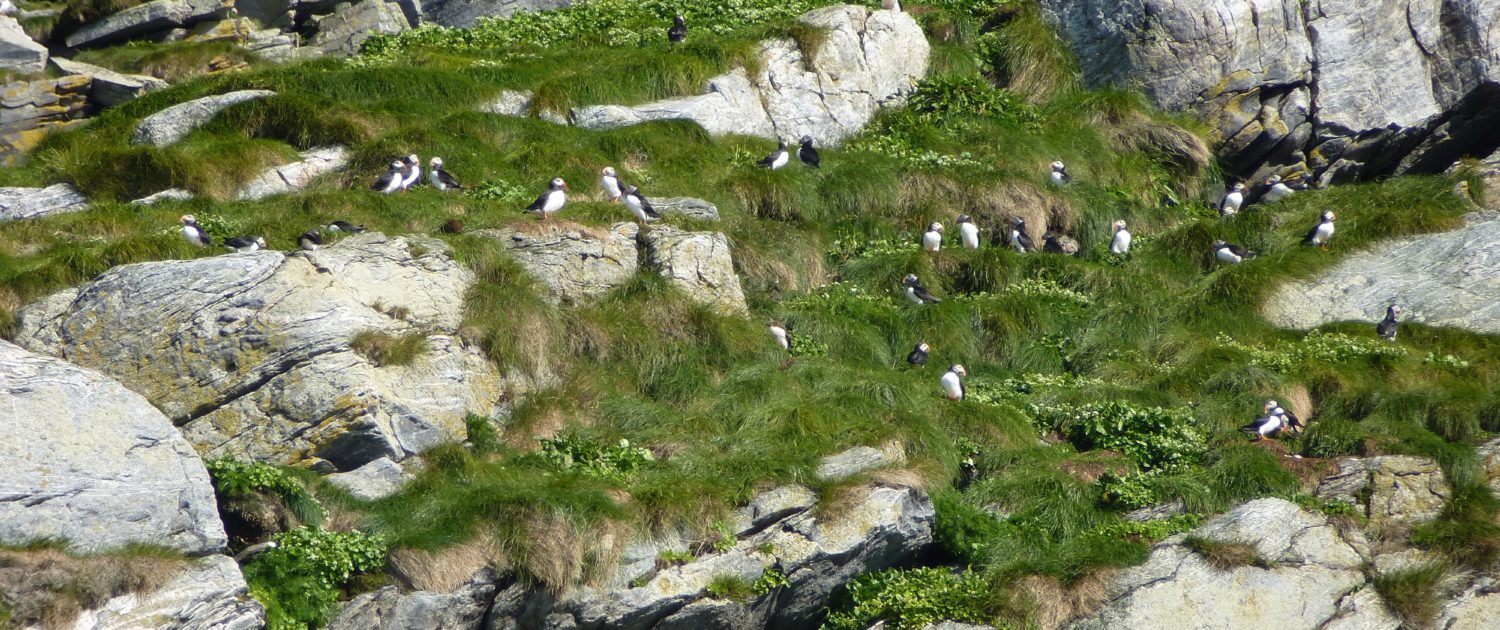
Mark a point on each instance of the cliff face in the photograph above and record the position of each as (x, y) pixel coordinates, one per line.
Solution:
(1343, 89)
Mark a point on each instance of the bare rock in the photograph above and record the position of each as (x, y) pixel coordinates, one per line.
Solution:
(176, 122)
(1476, 608)
(373, 481)
(576, 264)
(157, 15)
(1489, 457)
(295, 176)
(210, 595)
(351, 24)
(1397, 490)
(690, 207)
(464, 13)
(110, 88)
(30, 203)
(18, 53)
(510, 103)
(390, 609)
(29, 110)
(699, 263)
(854, 461)
(170, 194)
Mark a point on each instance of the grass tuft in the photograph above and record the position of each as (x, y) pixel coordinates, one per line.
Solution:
(386, 350)
(1226, 556)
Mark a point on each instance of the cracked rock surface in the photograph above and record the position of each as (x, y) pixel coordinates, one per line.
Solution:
(91, 462)
(250, 354)
(1345, 89)
(698, 263)
(176, 122)
(1391, 490)
(209, 595)
(296, 175)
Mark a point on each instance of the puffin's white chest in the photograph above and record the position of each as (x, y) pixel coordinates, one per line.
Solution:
(611, 187)
(1057, 178)
(780, 334)
(1224, 254)
(1015, 241)
(932, 241)
(192, 235)
(1121, 243)
(781, 159)
(970, 235)
(1232, 202)
(1323, 233)
(911, 294)
(555, 201)
(952, 386)
(1270, 424)
(1278, 192)
(411, 178)
(633, 203)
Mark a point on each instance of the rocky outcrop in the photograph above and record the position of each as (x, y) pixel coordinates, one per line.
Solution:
(1447, 279)
(176, 122)
(689, 207)
(1297, 85)
(29, 110)
(210, 595)
(698, 263)
(170, 194)
(373, 481)
(1310, 569)
(158, 15)
(576, 264)
(1392, 490)
(109, 88)
(390, 609)
(1476, 608)
(296, 175)
(30, 203)
(350, 25)
(868, 60)
(18, 53)
(464, 13)
(92, 463)
(859, 459)
(252, 355)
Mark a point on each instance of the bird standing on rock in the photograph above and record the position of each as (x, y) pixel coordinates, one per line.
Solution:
(1231, 254)
(807, 153)
(1060, 176)
(953, 382)
(678, 31)
(551, 201)
(245, 244)
(1387, 327)
(916, 292)
(777, 158)
(968, 233)
(1321, 233)
(1232, 200)
(440, 178)
(391, 181)
(1120, 244)
(193, 233)
(639, 206)
(933, 240)
(610, 184)
(310, 240)
(918, 355)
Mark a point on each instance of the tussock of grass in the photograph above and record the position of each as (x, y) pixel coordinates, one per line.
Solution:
(47, 587)
(1226, 556)
(385, 350)
(1414, 594)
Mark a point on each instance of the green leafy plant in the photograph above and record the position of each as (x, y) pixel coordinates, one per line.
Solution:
(583, 455)
(771, 580)
(962, 529)
(911, 599)
(233, 478)
(805, 346)
(500, 191)
(1149, 531)
(1316, 346)
(1127, 492)
(300, 579)
(1153, 437)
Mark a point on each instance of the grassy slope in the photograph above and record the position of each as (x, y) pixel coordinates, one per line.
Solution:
(707, 393)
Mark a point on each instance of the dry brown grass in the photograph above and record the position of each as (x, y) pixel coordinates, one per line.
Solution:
(1226, 556)
(553, 550)
(48, 588)
(1041, 211)
(444, 570)
(1053, 605)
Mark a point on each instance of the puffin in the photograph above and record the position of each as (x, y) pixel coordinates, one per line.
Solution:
(1232, 200)
(1265, 425)
(440, 178)
(310, 240)
(344, 226)
(678, 32)
(778, 332)
(413, 172)
(953, 382)
(551, 201)
(244, 244)
(1387, 327)
(1120, 244)
(968, 233)
(807, 153)
(1322, 232)
(916, 292)
(933, 239)
(1058, 245)
(1289, 421)
(1060, 176)
(918, 355)
(777, 158)
(1277, 190)
(638, 205)
(1018, 238)
(391, 181)
(193, 233)
(1232, 254)
(610, 184)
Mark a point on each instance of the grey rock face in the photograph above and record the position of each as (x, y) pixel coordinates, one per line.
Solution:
(176, 122)
(93, 463)
(1447, 279)
(1476, 608)
(1392, 490)
(853, 462)
(375, 480)
(250, 354)
(389, 609)
(158, 15)
(700, 264)
(170, 194)
(351, 24)
(869, 59)
(576, 265)
(510, 103)
(1307, 85)
(30, 203)
(1312, 569)
(688, 207)
(18, 53)
(29, 110)
(110, 88)
(210, 595)
(295, 176)
(464, 13)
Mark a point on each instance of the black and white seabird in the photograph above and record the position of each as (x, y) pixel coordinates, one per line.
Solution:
(638, 205)
(1019, 241)
(1387, 327)
(413, 172)
(777, 158)
(310, 240)
(1060, 174)
(918, 355)
(1289, 421)
(1268, 424)
(391, 181)
(1232, 200)
(610, 184)
(916, 292)
(678, 31)
(1120, 244)
(807, 153)
(1231, 254)
(778, 332)
(193, 233)
(344, 226)
(440, 178)
(1322, 232)
(243, 244)
(1276, 190)
(551, 201)
(932, 240)
(953, 382)
(968, 233)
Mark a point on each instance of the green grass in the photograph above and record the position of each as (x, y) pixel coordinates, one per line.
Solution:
(1414, 594)
(384, 349)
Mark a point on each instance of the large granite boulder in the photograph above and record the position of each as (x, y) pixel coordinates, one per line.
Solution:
(157, 15)
(109, 88)
(210, 595)
(1476, 608)
(296, 175)
(29, 110)
(253, 355)
(176, 122)
(30, 203)
(1447, 279)
(698, 263)
(18, 53)
(343, 32)
(1392, 490)
(464, 13)
(92, 463)
(390, 609)
(1307, 84)
(1311, 569)
(868, 60)
(576, 264)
